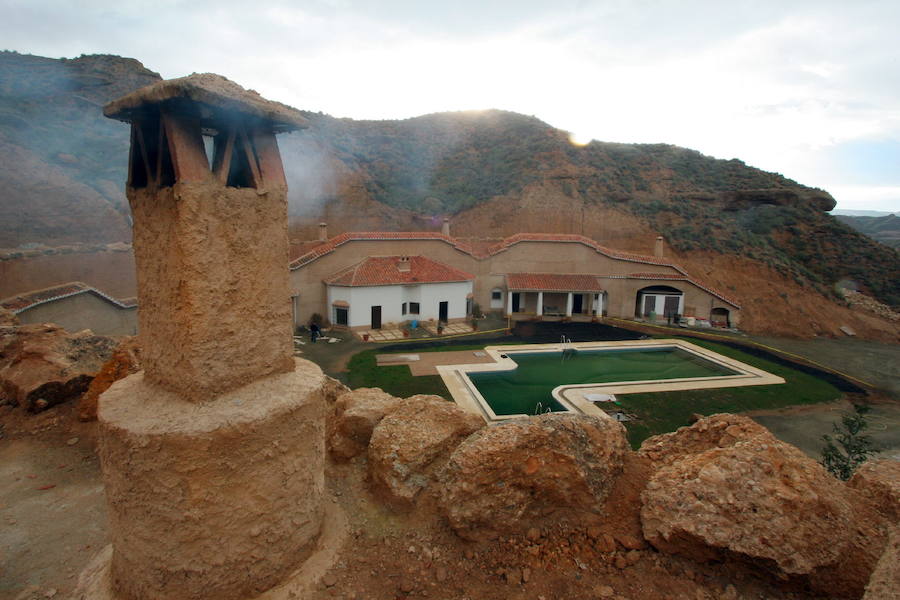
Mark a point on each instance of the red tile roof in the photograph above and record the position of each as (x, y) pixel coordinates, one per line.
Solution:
(385, 270)
(552, 282)
(23, 302)
(339, 240)
(580, 239)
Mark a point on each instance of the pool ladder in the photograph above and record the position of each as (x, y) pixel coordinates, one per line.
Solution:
(540, 410)
(565, 347)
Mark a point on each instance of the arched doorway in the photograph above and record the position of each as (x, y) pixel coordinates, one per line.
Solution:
(720, 317)
(661, 301)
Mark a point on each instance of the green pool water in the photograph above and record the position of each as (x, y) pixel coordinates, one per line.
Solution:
(519, 391)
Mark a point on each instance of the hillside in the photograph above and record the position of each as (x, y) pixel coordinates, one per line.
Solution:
(63, 167)
(499, 173)
(885, 229)
(759, 235)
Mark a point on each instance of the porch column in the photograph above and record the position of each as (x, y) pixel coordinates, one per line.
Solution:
(569, 305)
(509, 294)
(540, 304)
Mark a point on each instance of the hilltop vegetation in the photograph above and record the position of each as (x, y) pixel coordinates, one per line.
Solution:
(451, 162)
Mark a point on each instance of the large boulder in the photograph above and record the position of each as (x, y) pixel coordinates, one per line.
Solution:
(44, 365)
(879, 480)
(355, 415)
(501, 477)
(124, 361)
(885, 581)
(411, 442)
(716, 431)
(333, 389)
(766, 503)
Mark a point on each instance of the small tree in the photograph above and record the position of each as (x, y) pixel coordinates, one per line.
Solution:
(849, 447)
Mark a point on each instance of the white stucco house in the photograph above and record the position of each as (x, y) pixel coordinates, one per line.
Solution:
(396, 289)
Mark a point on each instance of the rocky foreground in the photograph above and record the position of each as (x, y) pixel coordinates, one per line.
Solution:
(442, 506)
(559, 504)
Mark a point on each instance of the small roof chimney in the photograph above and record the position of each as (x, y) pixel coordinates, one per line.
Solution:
(659, 247)
(403, 264)
(323, 231)
(445, 227)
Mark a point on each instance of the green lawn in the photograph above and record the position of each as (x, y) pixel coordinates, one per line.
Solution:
(397, 380)
(659, 412)
(662, 412)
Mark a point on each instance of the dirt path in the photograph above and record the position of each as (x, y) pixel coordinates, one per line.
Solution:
(803, 426)
(52, 508)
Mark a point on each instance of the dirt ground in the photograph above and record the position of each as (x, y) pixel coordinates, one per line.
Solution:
(52, 508)
(803, 426)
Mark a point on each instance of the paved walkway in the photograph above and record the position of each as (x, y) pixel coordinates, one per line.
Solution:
(450, 329)
(389, 335)
(424, 363)
(381, 335)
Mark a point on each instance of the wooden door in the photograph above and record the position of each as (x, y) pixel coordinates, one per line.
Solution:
(376, 317)
(671, 306)
(443, 310)
(577, 304)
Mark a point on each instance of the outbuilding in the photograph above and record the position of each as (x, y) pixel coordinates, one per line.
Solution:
(396, 289)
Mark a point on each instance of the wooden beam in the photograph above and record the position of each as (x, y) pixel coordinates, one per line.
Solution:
(270, 165)
(251, 157)
(222, 155)
(186, 146)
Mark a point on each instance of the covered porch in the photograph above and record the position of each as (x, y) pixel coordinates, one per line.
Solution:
(553, 296)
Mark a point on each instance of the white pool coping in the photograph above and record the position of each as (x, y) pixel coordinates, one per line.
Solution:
(572, 396)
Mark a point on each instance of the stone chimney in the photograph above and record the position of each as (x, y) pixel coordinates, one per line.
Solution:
(323, 231)
(403, 264)
(445, 227)
(221, 406)
(659, 247)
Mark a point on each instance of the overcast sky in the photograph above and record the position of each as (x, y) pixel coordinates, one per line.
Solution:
(807, 89)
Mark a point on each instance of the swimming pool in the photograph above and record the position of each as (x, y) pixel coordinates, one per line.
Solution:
(525, 380)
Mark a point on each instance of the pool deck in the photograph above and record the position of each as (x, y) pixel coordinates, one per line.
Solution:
(574, 397)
